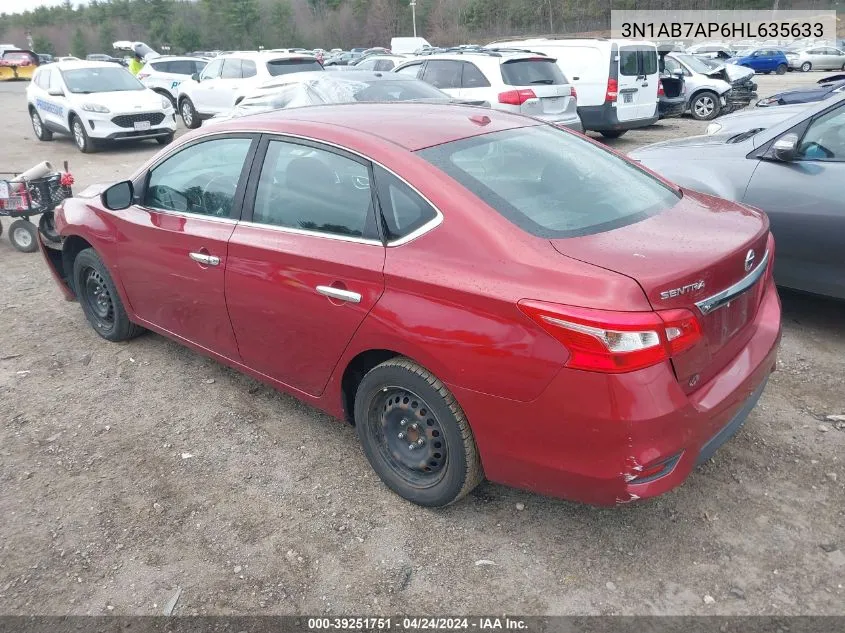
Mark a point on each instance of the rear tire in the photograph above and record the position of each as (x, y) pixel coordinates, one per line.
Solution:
(41, 132)
(807, 67)
(781, 69)
(705, 106)
(97, 294)
(22, 235)
(612, 133)
(399, 405)
(190, 116)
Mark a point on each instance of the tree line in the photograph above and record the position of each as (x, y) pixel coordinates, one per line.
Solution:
(188, 25)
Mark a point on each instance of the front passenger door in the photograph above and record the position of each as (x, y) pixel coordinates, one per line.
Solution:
(174, 240)
(803, 199)
(203, 93)
(306, 266)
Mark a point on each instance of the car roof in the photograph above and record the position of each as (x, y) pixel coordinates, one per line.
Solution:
(499, 55)
(264, 55)
(412, 126)
(167, 58)
(72, 64)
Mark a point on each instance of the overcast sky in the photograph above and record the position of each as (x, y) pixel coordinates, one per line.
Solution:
(19, 6)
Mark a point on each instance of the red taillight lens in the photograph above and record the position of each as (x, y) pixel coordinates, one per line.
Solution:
(615, 342)
(660, 91)
(573, 92)
(516, 97)
(612, 90)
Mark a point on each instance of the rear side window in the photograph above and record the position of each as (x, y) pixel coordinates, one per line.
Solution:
(182, 67)
(628, 63)
(527, 72)
(278, 67)
(473, 78)
(161, 67)
(551, 183)
(443, 73)
(403, 210)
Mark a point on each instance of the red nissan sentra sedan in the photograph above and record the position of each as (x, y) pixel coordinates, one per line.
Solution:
(481, 294)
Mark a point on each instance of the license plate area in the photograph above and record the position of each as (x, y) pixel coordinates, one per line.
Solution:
(732, 317)
(141, 126)
(627, 97)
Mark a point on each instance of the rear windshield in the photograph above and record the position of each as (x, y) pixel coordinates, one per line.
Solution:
(286, 66)
(535, 71)
(551, 183)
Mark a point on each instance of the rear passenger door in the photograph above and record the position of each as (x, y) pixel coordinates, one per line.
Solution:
(306, 264)
(474, 85)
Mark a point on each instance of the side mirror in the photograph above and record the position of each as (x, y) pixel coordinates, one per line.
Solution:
(56, 92)
(118, 196)
(195, 76)
(785, 147)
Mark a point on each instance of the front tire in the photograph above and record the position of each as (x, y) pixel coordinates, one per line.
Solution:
(41, 132)
(705, 106)
(400, 405)
(97, 294)
(612, 133)
(80, 137)
(781, 69)
(807, 67)
(22, 235)
(190, 116)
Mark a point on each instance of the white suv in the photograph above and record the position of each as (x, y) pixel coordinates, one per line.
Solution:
(164, 74)
(228, 77)
(96, 101)
(523, 82)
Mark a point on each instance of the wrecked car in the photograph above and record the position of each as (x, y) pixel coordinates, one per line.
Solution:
(712, 88)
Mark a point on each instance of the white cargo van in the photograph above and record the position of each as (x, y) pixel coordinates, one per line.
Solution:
(616, 80)
(408, 45)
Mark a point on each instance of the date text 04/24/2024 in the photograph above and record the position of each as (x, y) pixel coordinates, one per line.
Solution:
(420, 623)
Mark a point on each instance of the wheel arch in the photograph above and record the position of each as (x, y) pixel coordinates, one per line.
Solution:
(71, 247)
(358, 367)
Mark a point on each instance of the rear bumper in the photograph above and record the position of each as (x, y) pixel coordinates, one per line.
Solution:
(589, 436)
(604, 118)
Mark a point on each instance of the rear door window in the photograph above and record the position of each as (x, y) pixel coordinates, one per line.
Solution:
(279, 67)
(181, 67)
(649, 62)
(443, 73)
(532, 71)
(629, 64)
(473, 77)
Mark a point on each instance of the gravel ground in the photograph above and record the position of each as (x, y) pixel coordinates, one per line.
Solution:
(131, 471)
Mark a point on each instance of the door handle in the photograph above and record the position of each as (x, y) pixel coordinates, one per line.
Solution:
(337, 293)
(205, 258)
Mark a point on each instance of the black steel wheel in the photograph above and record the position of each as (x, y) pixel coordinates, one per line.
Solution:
(22, 235)
(99, 299)
(415, 434)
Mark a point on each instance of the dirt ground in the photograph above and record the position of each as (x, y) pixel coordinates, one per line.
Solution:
(131, 471)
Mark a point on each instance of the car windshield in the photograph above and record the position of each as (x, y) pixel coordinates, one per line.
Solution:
(696, 64)
(552, 183)
(278, 67)
(100, 79)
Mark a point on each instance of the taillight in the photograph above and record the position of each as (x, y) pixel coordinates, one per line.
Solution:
(615, 342)
(516, 97)
(573, 93)
(612, 90)
(660, 91)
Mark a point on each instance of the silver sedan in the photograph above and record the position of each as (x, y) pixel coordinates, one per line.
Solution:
(818, 58)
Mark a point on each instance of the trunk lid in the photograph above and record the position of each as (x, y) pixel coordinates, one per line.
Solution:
(544, 78)
(683, 256)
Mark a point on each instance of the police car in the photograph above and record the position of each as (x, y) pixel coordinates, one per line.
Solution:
(164, 74)
(95, 102)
